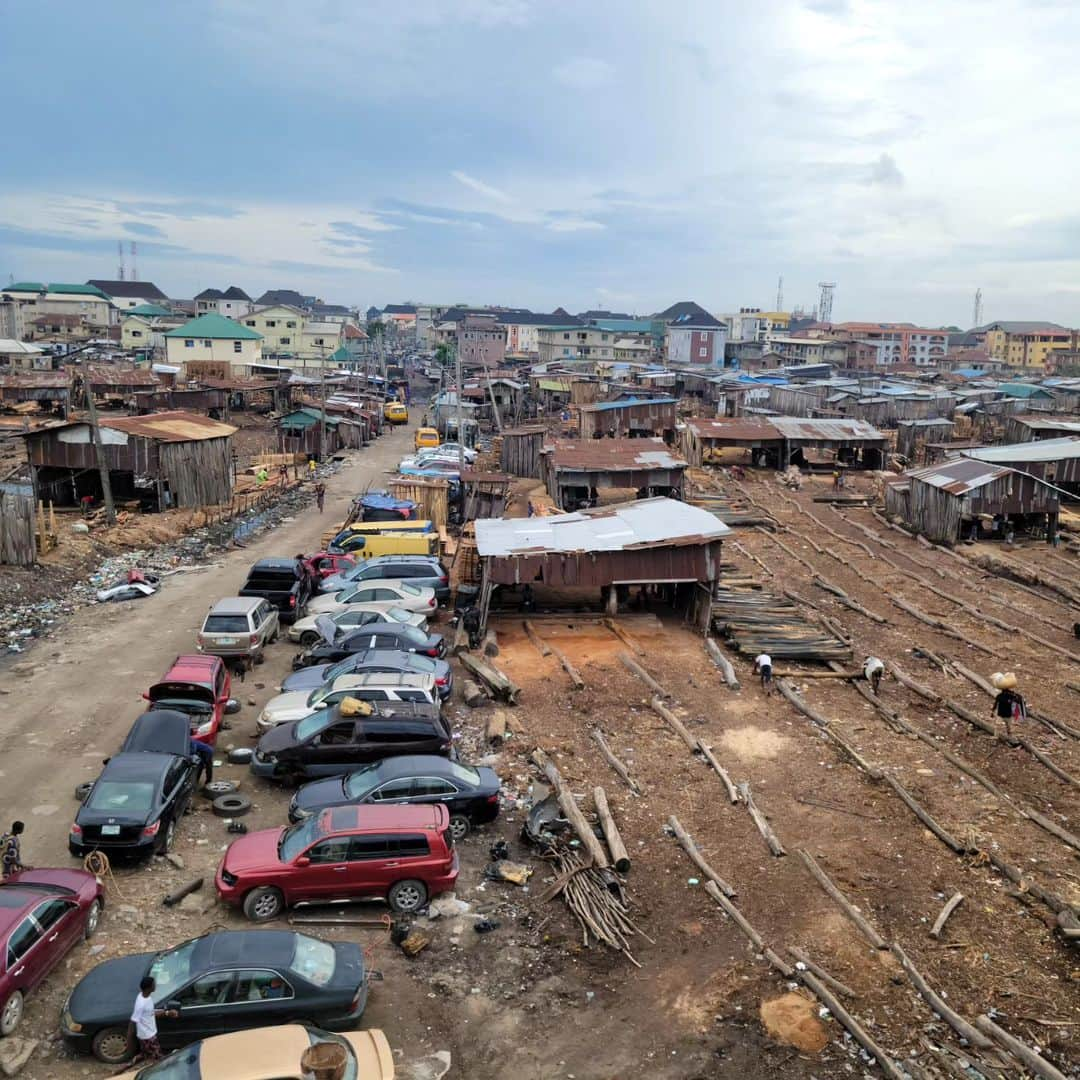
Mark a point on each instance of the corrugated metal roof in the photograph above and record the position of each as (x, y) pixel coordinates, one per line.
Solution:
(626, 403)
(1044, 450)
(792, 427)
(645, 523)
(612, 454)
(959, 476)
(1036, 423)
(173, 426)
(109, 375)
(741, 430)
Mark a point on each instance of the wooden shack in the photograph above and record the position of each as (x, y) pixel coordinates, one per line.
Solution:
(519, 453)
(632, 417)
(913, 435)
(574, 471)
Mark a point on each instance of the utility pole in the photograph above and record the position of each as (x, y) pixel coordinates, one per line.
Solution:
(99, 451)
(322, 405)
(460, 420)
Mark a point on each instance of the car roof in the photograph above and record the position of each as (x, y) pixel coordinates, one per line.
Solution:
(396, 629)
(401, 817)
(16, 901)
(192, 668)
(385, 560)
(385, 656)
(236, 605)
(137, 765)
(420, 679)
(273, 947)
(414, 765)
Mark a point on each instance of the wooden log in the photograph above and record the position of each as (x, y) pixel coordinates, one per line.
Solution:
(686, 841)
(575, 675)
(914, 806)
(489, 646)
(495, 728)
(936, 1002)
(461, 639)
(951, 905)
(710, 757)
(852, 912)
(177, 895)
(615, 763)
(620, 859)
(632, 665)
(821, 973)
(495, 680)
(1032, 1060)
(473, 695)
(723, 663)
(937, 624)
(540, 644)
(623, 636)
(848, 602)
(571, 810)
(761, 821)
(675, 723)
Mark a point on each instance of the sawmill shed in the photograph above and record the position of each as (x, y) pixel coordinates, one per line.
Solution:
(575, 471)
(633, 416)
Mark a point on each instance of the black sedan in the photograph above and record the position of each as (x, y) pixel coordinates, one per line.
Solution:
(218, 983)
(471, 795)
(390, 660)
(388, 635)
(134, 805)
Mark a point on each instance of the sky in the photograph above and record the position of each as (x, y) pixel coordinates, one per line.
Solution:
(622, 154)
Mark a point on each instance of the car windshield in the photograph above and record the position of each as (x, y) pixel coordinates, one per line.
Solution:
(317, 697)
(225, 624)
(342, 667)
(183, 1065)
(409, 590)
(311, 725)
(361, 781)
(411, 634)
(463, 772)
(399, 614)
(314, 960)
(122, 797)
(297, 838)
(422, 664)
(170, 970)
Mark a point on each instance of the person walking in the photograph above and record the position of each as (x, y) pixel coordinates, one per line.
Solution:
(11, 853)
(311, 467)
(873, 669)
(320, 495)
(763, 667)
(1011, 707)
(143, 1025)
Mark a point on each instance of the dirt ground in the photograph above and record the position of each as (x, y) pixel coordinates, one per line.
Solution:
(528, 1000)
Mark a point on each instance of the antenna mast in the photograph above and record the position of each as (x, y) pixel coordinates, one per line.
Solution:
(825, 303)
(977, 314)
(780, 294)
(134, 267)
(120, 252)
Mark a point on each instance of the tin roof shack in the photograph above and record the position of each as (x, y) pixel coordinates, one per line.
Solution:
(575, 471)
(207, 400)
(300, 432)
(1018, 429)
(484, 494)
(163, 460)
(1056, 461)
(704, 441)
(50, 389)
(848, 442)
(659, 542)
(964, 496)
(117, 384)
(913, 435)
(629, 417)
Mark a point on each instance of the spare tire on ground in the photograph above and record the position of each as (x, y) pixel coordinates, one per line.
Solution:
(240, 756)
(82, 790)
(216, 788)
(231, 806)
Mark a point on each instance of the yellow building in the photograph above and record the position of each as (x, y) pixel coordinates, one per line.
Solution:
(281, 327)
(1026, 344)
(214, 345)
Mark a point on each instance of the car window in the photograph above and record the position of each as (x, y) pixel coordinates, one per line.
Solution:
(171, 969)
(422, 664)
(396, 735)
(311, 725)
(411, 845)
(409, 590)
(211, 989)
(399, 614)
(370, 847)
(314, 960)
(116, 797)
(21, 941)
(338, 735)
(225, 624)
(413, 695)
(259, 985)
(175, 775)
(433, 785)
(395, 789)
(333, 850)
(353, 618)
(464, 772)
(296, 838)
(383, 594)
(219, 682)
(51, 912)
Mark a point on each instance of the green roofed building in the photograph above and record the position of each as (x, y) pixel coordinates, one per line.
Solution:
(214, 345)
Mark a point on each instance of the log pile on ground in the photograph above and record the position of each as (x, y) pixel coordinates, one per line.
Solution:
(755, 621)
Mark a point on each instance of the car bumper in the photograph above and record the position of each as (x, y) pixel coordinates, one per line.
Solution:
(79, 1042)
(229, 652)
(267, 770)
(232, 895)
(292, 633)
(116, 852)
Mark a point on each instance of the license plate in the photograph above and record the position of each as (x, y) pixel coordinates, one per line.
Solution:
(226, 641)
(110, 830)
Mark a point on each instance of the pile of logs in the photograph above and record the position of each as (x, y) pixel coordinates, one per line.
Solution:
(755, 621)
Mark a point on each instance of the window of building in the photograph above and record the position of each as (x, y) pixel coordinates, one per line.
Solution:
(271, 322)
(189, 344)
(249, 322)
(291, 324)
(136, 333)
(208, 343)
(237, 346)
(703, 351)
(285, 341)
(566, 337)
(320, 341)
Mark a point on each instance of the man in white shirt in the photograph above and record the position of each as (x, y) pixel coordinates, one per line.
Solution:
(143, 1026)
(873, 669)
(763, 667)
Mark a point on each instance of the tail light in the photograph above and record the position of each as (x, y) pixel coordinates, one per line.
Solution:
(493, 800)
(253, 639)
(431, 602)
(76, 829)
(151, 830)
(431, 652)
(357, 998)
(292, 600)
(441, 682)
(444, 580)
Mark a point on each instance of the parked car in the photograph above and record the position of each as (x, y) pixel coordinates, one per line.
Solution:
(239, 628)
(135, 804)
(310, 678)
(221, 982)
(324, 564)
(403, 853)
(386, 635)
(395, 413)
(328, 744)
(470, 795)
(44, 913)
(420, 570)
(285, 583)
(372, 686)
(425, 438)
(372, 545)
(313, 628)
(380, 595)
(198, 686)
(270, 1053)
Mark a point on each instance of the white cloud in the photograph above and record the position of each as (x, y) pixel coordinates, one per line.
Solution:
(573, 225)
(584, 73)
(480, 187)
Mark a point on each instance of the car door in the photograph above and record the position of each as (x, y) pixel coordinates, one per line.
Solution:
(393, 791)
(326, 876)
(61, 926)
(431, 789)
(177, 790)
(368, 866)
(332, 751)
(202, 1005)
(27, 958)
(222, 688)
(260, 997)
(366, 593)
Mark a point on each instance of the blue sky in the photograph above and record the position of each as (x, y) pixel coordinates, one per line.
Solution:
(544, 152)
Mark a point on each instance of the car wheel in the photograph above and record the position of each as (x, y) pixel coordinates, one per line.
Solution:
(263, 904)
(460, 826)
(170, 836)
(258, 658)
(407, 896)
(112, 1045)
(231, 806)
(241, 755)
(12, 1013)
(93, 918)
(308, 638)
(216, 788)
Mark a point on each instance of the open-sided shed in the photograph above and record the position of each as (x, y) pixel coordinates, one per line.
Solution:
(635, 415)
(575, 470)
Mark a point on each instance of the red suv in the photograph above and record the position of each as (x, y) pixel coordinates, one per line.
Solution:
(404, 853)
(198, 686)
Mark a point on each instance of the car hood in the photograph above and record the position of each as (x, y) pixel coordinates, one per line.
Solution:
(329, 792)
(333, 583)
(106, 993)
(289, 707)
(255, 851)
(306, 623)
(276, 739)
(306, 679)
(324, 604)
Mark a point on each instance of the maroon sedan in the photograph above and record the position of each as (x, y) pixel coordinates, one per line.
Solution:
(43, 913)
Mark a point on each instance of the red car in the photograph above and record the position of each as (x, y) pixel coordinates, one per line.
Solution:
(43, 913)
(404, 853)
(199, 686)
(324, 564)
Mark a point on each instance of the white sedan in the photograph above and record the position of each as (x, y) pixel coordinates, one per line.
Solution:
(306, 630)
(376, 595)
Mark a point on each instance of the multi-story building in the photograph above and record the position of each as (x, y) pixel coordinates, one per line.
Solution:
(1026, 344)
(280, 326)
(523, 328)
(145, 327)
(214, 345)
(745, 325)
(574, 342)
(319, 340)
(808, 350)
(233, 303)
(65, 329)
(897, 344)
(126, 295)
(36, 298)
(481, 341)
(696, 340)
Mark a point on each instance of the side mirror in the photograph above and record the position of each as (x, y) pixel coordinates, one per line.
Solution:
(302, 861)
(232, 706)
(146, 697)
(173, 1006)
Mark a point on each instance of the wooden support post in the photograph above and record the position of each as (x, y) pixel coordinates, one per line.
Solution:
(761, 821)
(615, 763)
(632, 665)
(951, 905)
(710, 757)
(620, 859)
(575, 675)
(571, 810)
(492, 677)
(848, 907)
(490, 644)
(623, 636)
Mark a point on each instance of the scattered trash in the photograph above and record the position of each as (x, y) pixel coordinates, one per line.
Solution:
(505, 870)
(500, 850)
(447, 905)
(416, 942)
(236, 827)
(693, 881)
(485, 926)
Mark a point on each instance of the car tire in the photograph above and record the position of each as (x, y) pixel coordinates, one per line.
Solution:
(308, 638)
(240, 756)
(231, 806)
(216, 788)
(83, 789)
(258, 658)
(460, 827)
(11, 1013)
(170, 837)
(93, 920)
(264, 904)
(407, 897)
(112, 1045)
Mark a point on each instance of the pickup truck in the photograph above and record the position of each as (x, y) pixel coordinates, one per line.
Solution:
(284, 583)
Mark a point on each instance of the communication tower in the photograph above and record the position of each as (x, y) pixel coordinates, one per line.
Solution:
(977, 314)
(825, 303)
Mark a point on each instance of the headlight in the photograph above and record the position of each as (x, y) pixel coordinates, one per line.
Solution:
(300, 813)
(68, 1023)
(205, 729)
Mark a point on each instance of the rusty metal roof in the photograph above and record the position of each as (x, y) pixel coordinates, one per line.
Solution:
(35, 380)
(611, 455)
(1042, 450)
(959, 476)
(797, 428)
(741, 430)
(646, 523)
(122, 376)
(173, 426)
